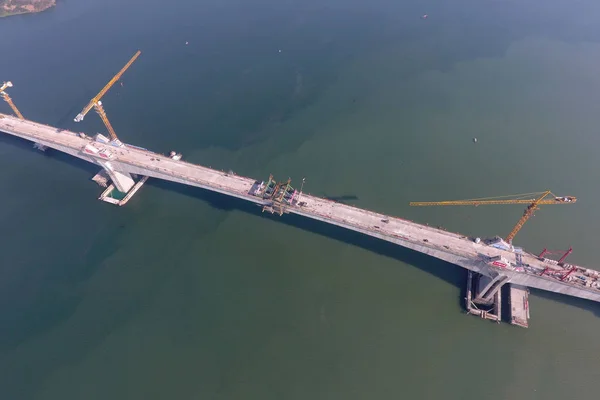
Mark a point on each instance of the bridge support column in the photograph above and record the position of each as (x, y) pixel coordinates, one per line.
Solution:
(122, 180)
(487, 309)
(486, 295)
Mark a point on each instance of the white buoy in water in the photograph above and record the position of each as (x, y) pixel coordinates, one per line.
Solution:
(474, 140)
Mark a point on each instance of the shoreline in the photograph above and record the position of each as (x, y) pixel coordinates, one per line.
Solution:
(34, 3)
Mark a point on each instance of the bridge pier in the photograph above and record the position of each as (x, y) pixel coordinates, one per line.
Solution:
(486, 295)
(486, 308)
(122, 180)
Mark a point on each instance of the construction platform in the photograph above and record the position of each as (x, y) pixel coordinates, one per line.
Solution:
(500, 262)
(476, 304)
(519, 305)
(113, 196)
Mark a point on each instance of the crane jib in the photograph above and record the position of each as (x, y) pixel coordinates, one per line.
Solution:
(105, 89)
(532, 205)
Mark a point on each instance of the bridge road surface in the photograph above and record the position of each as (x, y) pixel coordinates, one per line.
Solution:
(451, 247)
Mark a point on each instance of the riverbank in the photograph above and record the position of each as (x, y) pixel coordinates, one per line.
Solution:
(16, 7)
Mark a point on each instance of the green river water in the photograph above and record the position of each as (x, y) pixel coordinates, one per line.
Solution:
(184, 294)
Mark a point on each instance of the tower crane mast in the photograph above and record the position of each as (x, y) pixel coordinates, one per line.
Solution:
(102, 92)
(7, 99)
(534, 203)
(100, 110)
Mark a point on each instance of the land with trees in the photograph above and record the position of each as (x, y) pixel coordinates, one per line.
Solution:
(15, 7)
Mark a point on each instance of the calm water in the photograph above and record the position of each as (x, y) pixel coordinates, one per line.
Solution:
(183, 294)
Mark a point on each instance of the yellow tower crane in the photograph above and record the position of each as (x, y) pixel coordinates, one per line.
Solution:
(97, 98)
(546, 197)
(100, 110)
(7, 98)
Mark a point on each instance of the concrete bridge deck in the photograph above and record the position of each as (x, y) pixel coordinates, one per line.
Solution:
(526, 269)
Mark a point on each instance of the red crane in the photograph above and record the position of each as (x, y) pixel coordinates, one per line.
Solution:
(569, 272)
(564, 253)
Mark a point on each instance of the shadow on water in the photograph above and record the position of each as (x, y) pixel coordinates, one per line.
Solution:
(450, 273)
(344, 199)
(441, 269)
(23, 144)
(587, 305)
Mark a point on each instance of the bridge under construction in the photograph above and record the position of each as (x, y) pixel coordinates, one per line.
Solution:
(492, 263)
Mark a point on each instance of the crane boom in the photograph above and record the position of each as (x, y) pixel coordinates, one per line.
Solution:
(476, 202)
(7, 99)
(100, 110)
(528, 213)
(97, 98)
